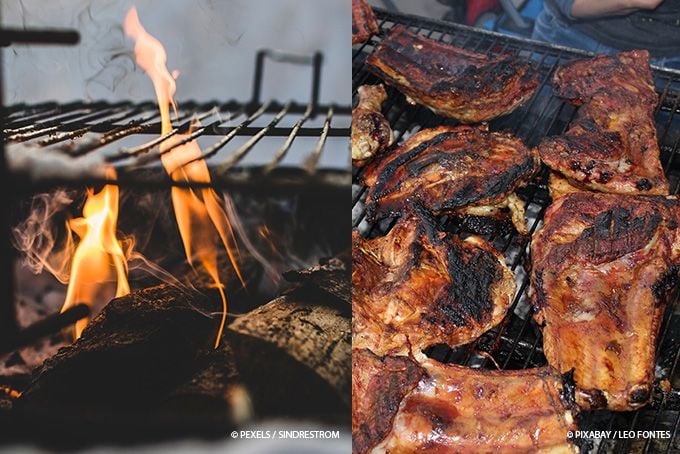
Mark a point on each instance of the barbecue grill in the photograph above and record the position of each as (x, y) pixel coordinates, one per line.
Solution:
(261, 147)
(516, 343)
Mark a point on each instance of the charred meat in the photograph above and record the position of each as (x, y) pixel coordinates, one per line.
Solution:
(463, 170)
(418, 286)
(611, 146)
(602, 268)
(371, 132)
(464, 410)
(363, 21)
(450, 81)
(378, 386)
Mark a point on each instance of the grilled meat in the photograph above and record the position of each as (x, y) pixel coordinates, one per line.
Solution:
(611, 146)
(418, 286)
(579, 80)
(603, 265)
(463, 169)
(378, 386)
(371, 132)
(450, 81)
(463, 410)
(363, 21)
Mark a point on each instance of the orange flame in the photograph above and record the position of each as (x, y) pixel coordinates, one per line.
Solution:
(99, 256)
(200, 214)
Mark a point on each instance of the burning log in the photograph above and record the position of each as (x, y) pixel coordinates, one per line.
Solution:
(146, 365)
(139, 357)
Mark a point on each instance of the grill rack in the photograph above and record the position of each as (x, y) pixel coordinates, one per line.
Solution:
(516, 343)
(78, 129)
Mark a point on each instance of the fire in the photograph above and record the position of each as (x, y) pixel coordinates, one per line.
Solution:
(200, 214)
(99, 257)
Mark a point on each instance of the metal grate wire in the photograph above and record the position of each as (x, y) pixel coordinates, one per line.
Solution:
(516, 343)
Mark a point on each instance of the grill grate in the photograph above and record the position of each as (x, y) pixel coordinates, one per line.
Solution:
(257, 146)
(106, 133)
(516, 343)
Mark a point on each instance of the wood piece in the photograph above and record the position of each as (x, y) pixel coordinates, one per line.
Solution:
(139, 356)
(295, 354)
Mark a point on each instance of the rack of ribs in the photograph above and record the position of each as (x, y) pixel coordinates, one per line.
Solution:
(611, 146)
(464, 410)
(450, 81)
(371, 132)
(463, 170)
(418, 286)
(603, 266)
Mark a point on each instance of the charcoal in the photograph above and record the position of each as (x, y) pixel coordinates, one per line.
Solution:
(332, 276)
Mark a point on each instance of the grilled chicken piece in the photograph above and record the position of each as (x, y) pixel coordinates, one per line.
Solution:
(611, 146)
(463, 169)
(417, 287)
(371, 132)
(363, 21)
(603, 265)
(463, 410)
(378, 386)
(450, 81)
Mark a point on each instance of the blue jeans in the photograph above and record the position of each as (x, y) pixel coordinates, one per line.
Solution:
(552, 29)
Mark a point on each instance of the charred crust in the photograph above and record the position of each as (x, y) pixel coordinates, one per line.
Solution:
(666, 283)
(470, 296)
(568, 392)
(640, 395)
(643, 184)
(593, 398)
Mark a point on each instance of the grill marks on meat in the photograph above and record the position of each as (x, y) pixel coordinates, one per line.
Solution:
(603, 265)
(463, 410)
(417, 287)
(378, 386)
(463, 169)
(371, 132)
(363, 21)
(450, 81)
(611, 146)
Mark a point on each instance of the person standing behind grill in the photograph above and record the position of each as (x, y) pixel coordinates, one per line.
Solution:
(609, 26)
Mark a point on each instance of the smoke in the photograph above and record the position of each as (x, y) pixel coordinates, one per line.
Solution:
(44, 237)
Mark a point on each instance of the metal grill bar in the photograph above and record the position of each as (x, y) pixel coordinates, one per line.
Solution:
(80, 129)
(516, 343)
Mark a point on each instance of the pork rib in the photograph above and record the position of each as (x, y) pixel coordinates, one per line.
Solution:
(463, 410)
(611, 146)
(602, 268)
(451, 81)
(363, 21)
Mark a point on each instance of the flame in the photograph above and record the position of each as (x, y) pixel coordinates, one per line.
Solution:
(99, 256)
(201, 217)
